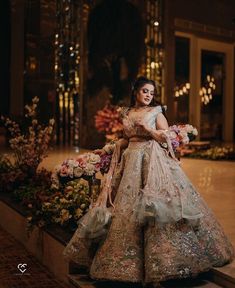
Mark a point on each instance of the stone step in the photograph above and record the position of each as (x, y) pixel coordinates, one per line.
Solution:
(83, 281)
(217, 277)
(224, 276)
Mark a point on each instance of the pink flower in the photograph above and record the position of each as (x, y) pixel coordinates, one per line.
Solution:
(97, 167)
(64, 171)
(181, 134)
(81, 162)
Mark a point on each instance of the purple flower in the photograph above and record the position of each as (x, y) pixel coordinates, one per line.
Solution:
(175, 128)
(105, 163)
(175, 144)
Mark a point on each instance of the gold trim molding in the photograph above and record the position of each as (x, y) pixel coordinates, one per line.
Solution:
(206, 29)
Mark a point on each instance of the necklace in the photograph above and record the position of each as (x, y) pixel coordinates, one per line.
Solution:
(139, 108)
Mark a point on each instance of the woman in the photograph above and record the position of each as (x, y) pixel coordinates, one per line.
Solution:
(149, 223)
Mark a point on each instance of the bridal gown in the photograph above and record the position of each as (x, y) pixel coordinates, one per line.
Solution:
(160, 228)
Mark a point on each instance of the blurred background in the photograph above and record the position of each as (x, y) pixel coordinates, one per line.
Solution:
(78, 55)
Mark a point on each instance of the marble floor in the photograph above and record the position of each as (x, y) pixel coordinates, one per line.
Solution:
(215, 180)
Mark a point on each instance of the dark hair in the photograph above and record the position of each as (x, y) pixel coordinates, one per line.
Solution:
(137, 85)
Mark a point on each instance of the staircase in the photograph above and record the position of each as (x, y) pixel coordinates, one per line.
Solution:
(224, 276)
(216, 278)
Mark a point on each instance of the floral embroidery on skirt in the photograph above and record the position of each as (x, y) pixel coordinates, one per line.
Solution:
(153, 233)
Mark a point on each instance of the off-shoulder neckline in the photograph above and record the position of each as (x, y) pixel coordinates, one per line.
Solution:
(151, 108)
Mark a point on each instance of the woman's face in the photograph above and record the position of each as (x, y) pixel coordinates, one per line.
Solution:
(145, 95)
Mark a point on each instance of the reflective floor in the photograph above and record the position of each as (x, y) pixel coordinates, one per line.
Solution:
(215, 180)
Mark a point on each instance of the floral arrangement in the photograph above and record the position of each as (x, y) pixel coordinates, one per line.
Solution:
(10, 176)
(84, 166)
(182, 134)
(29, 147)
(28, 191)
(108, 121)
(63, 207)
(214, 153)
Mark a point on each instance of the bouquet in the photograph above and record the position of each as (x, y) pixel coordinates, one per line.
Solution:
(84, 166)
(181, 135)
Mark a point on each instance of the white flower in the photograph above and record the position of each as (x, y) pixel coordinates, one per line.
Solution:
(78, 171)
(52, 122)
(82, 206)
(195, 132)
(172, 134)
(27, 107)
(184, 136)
(93, 158)
(72, 163)
(35, 99)
(70, 172)
(188, 128)
(89, 169)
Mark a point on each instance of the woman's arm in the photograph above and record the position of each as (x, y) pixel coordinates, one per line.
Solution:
(161, 125)
(161, 122)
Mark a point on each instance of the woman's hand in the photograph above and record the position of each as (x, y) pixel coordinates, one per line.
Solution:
(141, 124)
(123, 143)
(158, 135)
(100, 151)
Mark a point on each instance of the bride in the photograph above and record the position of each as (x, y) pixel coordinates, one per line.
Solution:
(149, 224)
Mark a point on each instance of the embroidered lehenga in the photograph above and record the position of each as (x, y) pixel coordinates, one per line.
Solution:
(158, 227)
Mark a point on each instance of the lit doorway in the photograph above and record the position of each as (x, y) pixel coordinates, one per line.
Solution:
(212, 95)
(210, 64)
